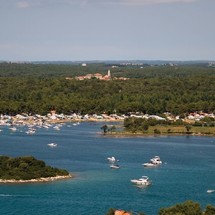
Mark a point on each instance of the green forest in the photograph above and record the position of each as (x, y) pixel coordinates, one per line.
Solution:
(39, 88)
(26, 168)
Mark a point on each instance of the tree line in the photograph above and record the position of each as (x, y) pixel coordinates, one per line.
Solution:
(32, 89)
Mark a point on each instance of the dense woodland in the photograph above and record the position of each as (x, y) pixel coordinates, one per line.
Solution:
(186, 208)
(38, 88)
(26, 168)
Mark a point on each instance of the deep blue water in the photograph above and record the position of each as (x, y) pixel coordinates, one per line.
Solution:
(187, 173)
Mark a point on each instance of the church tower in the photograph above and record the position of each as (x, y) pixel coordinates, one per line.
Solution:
(109, 75)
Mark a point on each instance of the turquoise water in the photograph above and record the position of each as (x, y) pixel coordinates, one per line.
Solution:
(187, 173)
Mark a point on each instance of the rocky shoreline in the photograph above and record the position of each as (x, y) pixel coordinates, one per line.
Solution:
(38, 180)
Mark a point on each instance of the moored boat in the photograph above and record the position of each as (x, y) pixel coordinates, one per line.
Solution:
(155, 161)
(114, 166)
(112, 159)
(13, 128)
(52, 145)
(144, 181)
(210, 191)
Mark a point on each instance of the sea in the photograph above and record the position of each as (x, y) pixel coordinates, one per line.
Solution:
(187, 171)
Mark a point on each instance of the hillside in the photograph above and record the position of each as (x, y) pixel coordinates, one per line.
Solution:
(37, 89)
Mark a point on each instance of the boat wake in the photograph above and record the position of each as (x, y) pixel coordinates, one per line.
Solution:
(5, 195)
(10, 195)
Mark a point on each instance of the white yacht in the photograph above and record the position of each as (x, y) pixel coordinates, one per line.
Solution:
(155, 161)
(112, 159)
(52, 145)
(210, 191)
(144, 181)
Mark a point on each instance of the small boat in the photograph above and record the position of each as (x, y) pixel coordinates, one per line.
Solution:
(210, 191)
(114, 166)
(112, 159)
(13, 128)
(155, 161)
(30, 131)
(52, 145)
(56, 127)
(144, 181)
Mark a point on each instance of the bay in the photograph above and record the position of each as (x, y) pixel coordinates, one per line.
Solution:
(187, 172)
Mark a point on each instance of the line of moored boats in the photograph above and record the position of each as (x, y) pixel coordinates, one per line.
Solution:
(30, 129)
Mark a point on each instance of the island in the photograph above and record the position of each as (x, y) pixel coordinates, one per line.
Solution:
(28, 169)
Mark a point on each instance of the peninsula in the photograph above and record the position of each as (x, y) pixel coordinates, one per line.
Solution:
(28, 170)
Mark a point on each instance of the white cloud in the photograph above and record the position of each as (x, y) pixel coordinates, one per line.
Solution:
(22, 4)
(33, 3)
(27, 4)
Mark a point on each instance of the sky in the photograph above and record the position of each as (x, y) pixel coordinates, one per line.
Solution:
(84, 30)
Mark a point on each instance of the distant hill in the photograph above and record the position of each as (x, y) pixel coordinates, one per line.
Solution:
(150, 62)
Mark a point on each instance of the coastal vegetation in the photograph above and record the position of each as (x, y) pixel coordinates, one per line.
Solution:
(27, 168)
(38, 88)
(187, 208)
(205, 126)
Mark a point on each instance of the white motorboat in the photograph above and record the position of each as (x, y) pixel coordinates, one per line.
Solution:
(52, 145)
(114, 166)
(30, 131)
(155, 161)
(56, 127)
(210, 191)
(112, 159)
(144, 181)
(13, 128)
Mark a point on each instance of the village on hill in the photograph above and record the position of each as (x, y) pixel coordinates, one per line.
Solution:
(99, 76)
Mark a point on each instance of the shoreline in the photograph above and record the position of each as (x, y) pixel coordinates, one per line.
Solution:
(59, 121)
(127, 134)
(38, 180)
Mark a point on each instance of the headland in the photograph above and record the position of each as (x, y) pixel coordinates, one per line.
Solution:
(28, 169)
